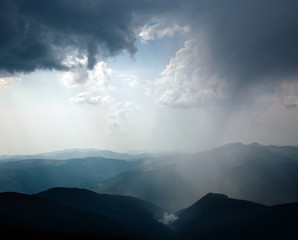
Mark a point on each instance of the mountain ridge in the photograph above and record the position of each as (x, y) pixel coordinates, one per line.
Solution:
(31, 212)
(131, 212)
(266, 174)
(216, 216)
(61, 213)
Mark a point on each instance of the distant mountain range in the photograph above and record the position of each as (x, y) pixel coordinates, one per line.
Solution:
(76, 153)
(71, 213)
(265, 174)
(31, 176)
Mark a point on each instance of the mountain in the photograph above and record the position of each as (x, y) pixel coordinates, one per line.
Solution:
(35, 175)
(16, 232)
(216, 216)
(215, 209)
(254, 172)
(159, 186)
(266, 174)
(131, 212)
(75, 153)
(71, 213)
(31, 215)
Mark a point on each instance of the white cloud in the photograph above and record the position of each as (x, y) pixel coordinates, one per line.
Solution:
(131, 79)
(120, 113)
(73, 61)
(188, 80)
(161, 30)
(86, 97)
(168, 218)
(80, 76)
(8, 81)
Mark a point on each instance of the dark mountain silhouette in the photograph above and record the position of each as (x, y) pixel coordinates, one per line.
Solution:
(21, 211)
(216, 216)
(81, 214)
(215, 208)
(131, 212)
(16, 232)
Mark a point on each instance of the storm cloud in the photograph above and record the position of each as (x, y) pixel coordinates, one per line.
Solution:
(246, 41)
(253, 39)
(41, 34)
(238, 50)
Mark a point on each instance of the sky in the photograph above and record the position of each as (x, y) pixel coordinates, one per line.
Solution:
(147, 75)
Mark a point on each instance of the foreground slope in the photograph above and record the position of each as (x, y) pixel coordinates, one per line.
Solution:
(132, 212)
(32, 214)
(216, 216)
(81, 214)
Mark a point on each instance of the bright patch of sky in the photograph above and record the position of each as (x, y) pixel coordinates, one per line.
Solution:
(110, 107)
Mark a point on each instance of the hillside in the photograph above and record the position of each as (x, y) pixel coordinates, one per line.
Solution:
(160, 186)
(264, 174)
(35, 175)
(216, 216)
(70, 213)
(21, 211)
(131, 212)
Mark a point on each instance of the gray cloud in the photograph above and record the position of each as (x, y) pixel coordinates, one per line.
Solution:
(39, 34)
(247, 41)
(252, 39)
(239, 50)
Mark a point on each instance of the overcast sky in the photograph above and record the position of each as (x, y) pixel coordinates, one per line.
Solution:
(162, 75)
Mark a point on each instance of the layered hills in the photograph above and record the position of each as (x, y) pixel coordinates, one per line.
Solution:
(265, 174)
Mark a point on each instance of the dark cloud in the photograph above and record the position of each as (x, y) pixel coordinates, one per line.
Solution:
(239, 50)
(23, 47)
(39, 33)
(249, 40)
